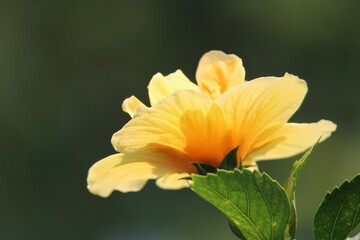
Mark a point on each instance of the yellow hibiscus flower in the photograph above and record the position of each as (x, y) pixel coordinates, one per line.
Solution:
(203, 123)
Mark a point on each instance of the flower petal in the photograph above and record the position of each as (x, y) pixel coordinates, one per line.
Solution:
(132, 106)
(293, 138)
(160, 86)
(255, 106)
(186, 120)
(130, 172)
(217, 72)
(207, 136)
(171, 181)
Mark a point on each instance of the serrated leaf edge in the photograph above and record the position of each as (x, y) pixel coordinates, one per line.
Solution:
(238, 171)
(328, 194)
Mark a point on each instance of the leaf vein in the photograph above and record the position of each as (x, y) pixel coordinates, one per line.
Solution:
(237, 209)
(268, 205)
(355, 216)
(323, 221)
(337, 216)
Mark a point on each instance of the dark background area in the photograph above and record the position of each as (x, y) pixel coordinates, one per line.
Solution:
(66, 66)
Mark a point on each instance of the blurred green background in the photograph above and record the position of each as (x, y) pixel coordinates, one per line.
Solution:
(66, 66)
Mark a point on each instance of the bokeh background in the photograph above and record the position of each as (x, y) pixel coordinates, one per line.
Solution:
(66, 66)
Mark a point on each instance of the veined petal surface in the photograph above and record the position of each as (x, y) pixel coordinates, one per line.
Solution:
(132, 106)
(259, 107)
(217, 72)
(186, 120)
(293, 138)
(130, 172)
(160, 86)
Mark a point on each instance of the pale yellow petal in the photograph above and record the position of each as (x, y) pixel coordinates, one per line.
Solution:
(253, 108)
(171, 181)
(132, 106)
(207, 136)
(130, 172)
(217, 72)
(252, 167)
(160, 86)
(293, 138)
(186, 120)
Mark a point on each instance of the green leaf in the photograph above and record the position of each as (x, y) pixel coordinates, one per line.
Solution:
(256, 204)
(339, 213)
(236, 230)
(204, 168)
(290, 187)
(230, 161)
